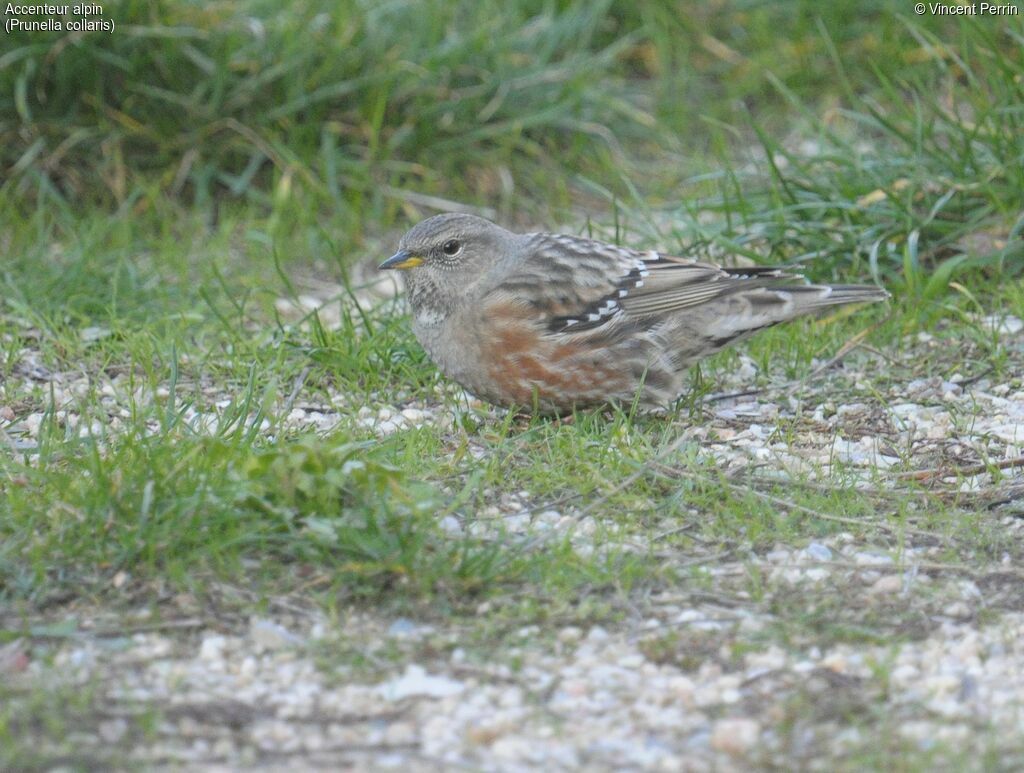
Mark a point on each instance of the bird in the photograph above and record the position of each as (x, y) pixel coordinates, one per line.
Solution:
(555, 322)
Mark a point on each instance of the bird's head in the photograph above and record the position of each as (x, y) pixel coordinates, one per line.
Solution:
(442, 257)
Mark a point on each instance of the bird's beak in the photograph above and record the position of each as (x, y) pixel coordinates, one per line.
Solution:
(401, 259)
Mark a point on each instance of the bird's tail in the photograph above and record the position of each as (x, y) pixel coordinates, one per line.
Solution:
(807, 299)
(737, 316)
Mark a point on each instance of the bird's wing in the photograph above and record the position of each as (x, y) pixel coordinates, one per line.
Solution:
(578, 284)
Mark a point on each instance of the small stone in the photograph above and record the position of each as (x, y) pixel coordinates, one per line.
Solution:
(886, 585)
(403, 626)
(631, 662)
(818, 552)
(957, 609)
(112, 730)
(969, 589)
(747, 370)
(836, 662)
(905, 673)
(735, 736)
(212, 647)
(271, 635)
(451, 525)
(816, 574)
(1003, 325)
(415, 416)
(417, 682)
(388, 427)
(570, 634)
(549, 517)
(90, 334)
(865, 558)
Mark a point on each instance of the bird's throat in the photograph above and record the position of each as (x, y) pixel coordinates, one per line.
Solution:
(429, 309)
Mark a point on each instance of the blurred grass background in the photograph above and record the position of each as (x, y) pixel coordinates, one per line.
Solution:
(899, 134)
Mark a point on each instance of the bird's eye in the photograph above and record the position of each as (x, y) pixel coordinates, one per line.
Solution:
(451, 247)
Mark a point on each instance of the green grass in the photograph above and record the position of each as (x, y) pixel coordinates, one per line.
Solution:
(167, 305)
(164, 189)
(169, 480)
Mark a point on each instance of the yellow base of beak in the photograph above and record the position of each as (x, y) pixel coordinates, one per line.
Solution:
(401, 260)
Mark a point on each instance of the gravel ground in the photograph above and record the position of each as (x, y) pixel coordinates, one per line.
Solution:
(686, 682)
(667, 691)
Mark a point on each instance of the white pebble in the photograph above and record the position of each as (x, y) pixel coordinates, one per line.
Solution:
(735, 736)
